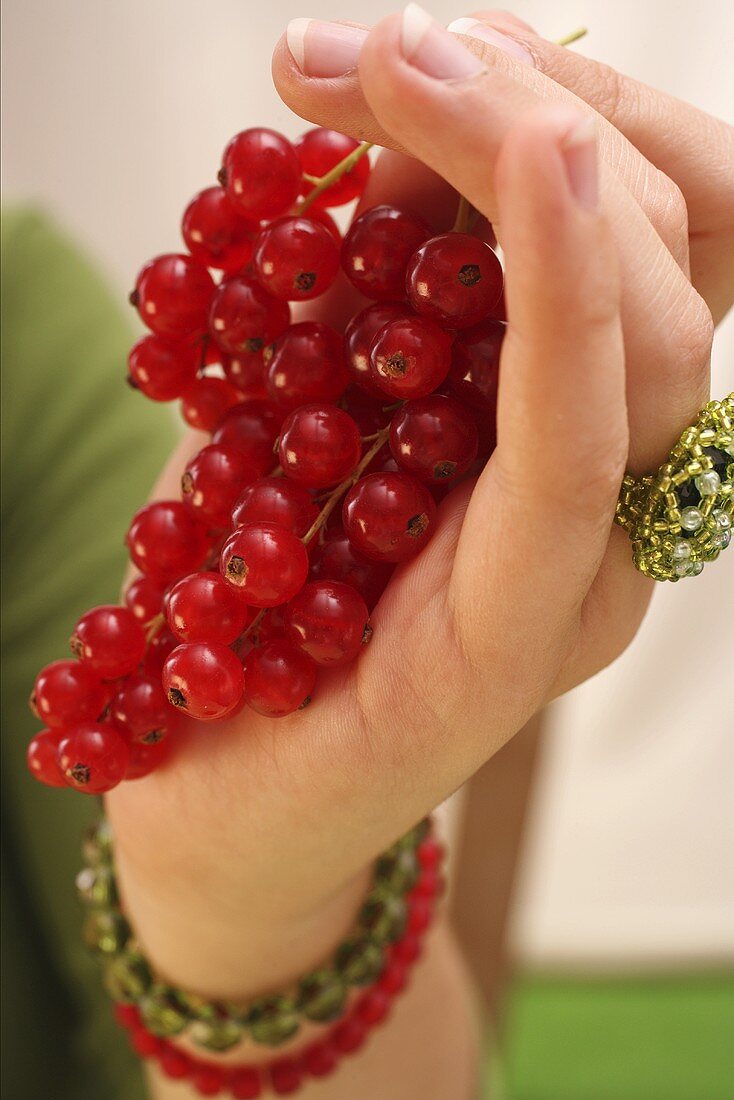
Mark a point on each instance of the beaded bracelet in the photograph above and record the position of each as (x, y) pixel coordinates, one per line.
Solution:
(320, 1058)
(391, 906)
(681, 517)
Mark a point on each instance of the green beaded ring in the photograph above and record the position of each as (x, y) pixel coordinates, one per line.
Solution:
(681, 517)
(319, 997)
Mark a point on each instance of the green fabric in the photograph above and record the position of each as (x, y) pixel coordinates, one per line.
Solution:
(79, 453)
(668, 1038)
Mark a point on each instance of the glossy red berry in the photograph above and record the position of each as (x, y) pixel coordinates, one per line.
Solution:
(455, 280)
(296, 258)
(172, 295)
(215, 234)
(252, 427)
(67, 692)
(337, 560)
(279, 678)
(329, 621)
(389, 516)
(410, 357)
(261, 173)
(318, 215)
(140, 710)
(203, 680)
(109, 640)
(320, 445)
(160, 646)
(377, 248)
(319, 151)
(144, 597)
(204, 608)
(161, 369)
(93, 758)
(166, 541)
(266, 564)
(359, 336)
(276, 500)
(244, 317)
(246, 372)
(213, 480)
(42, 757)
(206, 401)
(474, 376)
(434, 438)
(367, 412)
(306, 364)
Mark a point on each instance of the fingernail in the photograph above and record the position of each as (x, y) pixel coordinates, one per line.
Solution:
(432, 50)
(472, 28)
(324, 49)
(578, 150)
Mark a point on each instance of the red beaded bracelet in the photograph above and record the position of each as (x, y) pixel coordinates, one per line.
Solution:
(286, 1075)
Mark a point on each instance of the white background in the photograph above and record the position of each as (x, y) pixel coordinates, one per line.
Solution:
(115, 113)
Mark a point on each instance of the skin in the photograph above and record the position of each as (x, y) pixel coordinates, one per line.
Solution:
(243, 863)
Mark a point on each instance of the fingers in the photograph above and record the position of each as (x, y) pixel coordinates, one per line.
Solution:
(538, 524)
(452, 112)
(692, 148)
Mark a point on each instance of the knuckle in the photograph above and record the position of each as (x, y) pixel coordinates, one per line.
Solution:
(668, 211)
(693, 337)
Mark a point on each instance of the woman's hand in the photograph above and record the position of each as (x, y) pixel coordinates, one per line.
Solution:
(243, 863)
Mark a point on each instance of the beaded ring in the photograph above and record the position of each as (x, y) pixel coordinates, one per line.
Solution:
(321, 996)
(681, 517)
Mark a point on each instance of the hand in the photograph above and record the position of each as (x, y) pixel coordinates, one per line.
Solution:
(243, 863)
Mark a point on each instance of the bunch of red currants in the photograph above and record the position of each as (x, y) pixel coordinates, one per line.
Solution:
(328, 452)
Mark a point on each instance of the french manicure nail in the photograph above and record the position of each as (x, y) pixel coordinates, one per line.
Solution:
(432, 50)
(578, 149)
(472, 28)
(324, 49)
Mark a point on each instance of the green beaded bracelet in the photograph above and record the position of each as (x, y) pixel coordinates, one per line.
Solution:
(319, 997)
(681, 517)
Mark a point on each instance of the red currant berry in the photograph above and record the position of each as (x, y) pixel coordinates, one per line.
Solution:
(329, 621)
(253, 428)
(144, 597)
(389, 517)
(410, 357)
(162, 370)
(204, 680)
(337, 560)
(144, 759)
(204, 608)
(268, 565)
(377, 248)
(93, 758)
(272, 627)
(306, 364)
(159, 647)
(165, 541)
(212, 481)
(474, 376)
(215, 234)
(276, 500)
(246, 1084)
(367, 412)
(67, 692)
(140, 710)
(279, 678)
(244, 317)
(320, 445)
(320, 216)
(454, 279)
(296, 259)
(359, 336)
(172, 295)
(206, 401)
(43, 758)
(261, 173)
(246, 372)
(319, 151)
(434, 438)
(109, 640)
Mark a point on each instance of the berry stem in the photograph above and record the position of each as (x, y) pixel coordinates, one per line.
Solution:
(574, 36)
(465, 215)
(336, 173)
(344, 486)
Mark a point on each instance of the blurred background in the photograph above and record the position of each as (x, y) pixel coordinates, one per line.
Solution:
(113, 115)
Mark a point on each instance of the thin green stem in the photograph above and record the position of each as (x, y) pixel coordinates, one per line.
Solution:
(574, 36)
(336, 173)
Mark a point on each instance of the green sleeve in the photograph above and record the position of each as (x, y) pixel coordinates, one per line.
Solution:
(79, 454)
